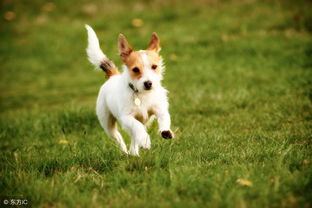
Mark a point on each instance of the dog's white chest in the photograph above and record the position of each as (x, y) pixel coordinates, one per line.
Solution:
(142, 113)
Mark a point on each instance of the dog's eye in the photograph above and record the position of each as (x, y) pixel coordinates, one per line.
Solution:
(136, 70)
(154, 66)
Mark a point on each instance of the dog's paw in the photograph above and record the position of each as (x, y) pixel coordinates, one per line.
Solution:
(136, 154)
(134, 150)
(146, 142)
(167, 134)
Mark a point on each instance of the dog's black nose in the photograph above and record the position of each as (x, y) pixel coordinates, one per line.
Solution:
(148, 85)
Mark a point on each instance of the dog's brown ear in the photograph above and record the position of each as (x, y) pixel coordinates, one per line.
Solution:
(154, 44)
(124, 48)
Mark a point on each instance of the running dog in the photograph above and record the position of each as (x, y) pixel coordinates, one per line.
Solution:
(134, 96)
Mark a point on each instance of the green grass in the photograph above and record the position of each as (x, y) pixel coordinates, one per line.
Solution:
(239, 76)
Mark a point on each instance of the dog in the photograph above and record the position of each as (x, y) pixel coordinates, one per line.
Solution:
(133, 97)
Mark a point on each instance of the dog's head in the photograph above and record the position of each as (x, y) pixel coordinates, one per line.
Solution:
(144, 67)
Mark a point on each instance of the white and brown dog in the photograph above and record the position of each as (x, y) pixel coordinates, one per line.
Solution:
(133, 97)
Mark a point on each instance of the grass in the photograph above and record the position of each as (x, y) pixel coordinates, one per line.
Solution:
(239, 76)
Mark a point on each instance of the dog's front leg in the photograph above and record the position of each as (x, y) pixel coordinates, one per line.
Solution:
(163, 118)
(139, 136)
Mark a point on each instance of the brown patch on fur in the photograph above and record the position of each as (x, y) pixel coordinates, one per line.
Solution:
(154, 59)
(150, 112)
(135, 60)
(132, 61)
(139, 117)
(130, 58)
(109, 68)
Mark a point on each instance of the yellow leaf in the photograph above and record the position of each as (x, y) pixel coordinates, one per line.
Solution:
(244, 182)
(63, 141)
(137, 22)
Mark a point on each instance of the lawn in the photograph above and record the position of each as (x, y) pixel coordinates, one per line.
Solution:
(240, 79)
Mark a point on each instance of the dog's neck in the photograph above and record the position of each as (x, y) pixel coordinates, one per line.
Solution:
(127, 81)
(135, 90)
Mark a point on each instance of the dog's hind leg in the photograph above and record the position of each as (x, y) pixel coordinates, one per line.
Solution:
(113, 128)
(108, 122)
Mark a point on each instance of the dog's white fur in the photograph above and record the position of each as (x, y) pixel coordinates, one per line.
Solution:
(94, 52)
(116, 100)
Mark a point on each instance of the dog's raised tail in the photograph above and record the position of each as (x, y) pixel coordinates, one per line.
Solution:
(96, 55)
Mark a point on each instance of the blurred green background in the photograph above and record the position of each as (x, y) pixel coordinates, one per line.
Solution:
(239, 76)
